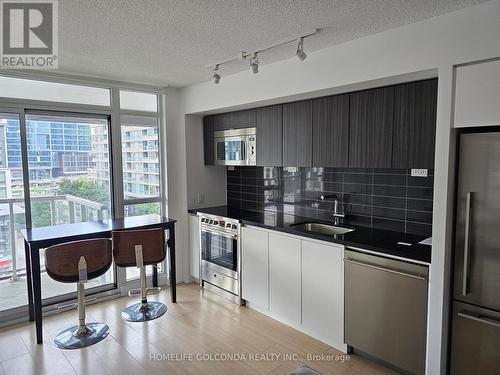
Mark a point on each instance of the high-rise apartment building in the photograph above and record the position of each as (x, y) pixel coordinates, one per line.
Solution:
(55, 149)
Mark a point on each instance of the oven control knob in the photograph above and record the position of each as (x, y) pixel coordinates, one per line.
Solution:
(221, 223)
(234, 226)
(228, 225)
(202, 219)
(211, 222)
(216, 222)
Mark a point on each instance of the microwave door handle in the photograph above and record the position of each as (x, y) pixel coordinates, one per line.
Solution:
(243, 150)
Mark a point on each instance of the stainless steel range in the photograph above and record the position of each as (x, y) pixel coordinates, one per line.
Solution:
(220, 256)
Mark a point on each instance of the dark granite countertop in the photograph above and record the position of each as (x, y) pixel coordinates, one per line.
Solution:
(376, 240)
(225, 211)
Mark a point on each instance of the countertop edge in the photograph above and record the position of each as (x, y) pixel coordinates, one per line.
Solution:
(354, 246)
(247, 218)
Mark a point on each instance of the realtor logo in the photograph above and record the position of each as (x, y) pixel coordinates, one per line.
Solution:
(29, 34)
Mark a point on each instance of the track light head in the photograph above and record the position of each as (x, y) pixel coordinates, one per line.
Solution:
(254, 64)
(216, 76)
(300, 50)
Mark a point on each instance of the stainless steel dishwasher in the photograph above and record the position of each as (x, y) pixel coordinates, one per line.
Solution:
(386, 309)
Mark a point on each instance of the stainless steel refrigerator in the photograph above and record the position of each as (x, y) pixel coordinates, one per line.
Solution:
(475, 340)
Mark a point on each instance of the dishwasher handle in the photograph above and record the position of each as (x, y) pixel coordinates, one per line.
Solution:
(385, 269)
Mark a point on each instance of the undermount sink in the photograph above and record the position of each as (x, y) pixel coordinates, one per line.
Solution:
(322, 228)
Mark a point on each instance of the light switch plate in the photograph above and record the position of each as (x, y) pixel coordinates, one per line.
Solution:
(419, 172)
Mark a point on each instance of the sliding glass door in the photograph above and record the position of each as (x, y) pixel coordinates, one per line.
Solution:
(62, 160)
(68, 157)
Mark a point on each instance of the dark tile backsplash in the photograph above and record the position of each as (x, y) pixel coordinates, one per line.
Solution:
(380, 198)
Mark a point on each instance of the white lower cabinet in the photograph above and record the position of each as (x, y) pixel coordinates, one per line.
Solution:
(297, 281)
(194, 245)
(255, 266)
(323, 292)
(285, 277)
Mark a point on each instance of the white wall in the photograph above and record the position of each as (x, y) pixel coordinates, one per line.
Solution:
(176, 181)
(433, 45)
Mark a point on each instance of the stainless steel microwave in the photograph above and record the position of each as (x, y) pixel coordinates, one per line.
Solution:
(235, 147)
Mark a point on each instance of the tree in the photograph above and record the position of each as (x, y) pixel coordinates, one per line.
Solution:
(40, 214)
(86, 189)
(145, 209)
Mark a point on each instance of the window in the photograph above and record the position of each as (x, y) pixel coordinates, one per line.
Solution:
(12, 261)
(136, 176)
(63, 158)
(141, 169)
(11, 87)
(138, 101)
(65, 186)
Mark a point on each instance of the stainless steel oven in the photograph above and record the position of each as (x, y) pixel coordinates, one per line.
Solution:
(235, 147)
(220, 256)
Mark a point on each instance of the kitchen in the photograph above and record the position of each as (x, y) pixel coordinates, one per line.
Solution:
(271, 187)
(279, 198)
(327, 213)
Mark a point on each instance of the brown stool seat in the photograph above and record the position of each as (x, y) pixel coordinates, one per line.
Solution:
(61, 261)
(140, 248)
(77, 262)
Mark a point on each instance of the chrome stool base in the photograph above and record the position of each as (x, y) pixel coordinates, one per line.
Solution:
(136, 312)
(69, 339)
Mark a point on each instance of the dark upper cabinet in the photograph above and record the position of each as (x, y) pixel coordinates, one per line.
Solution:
(208, 139)
(235, 120)
(370, 130)
(414, 134)
(297, 134)
(269, 123)
(330, 131)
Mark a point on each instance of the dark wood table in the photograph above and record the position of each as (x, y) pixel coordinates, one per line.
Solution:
(41, 238)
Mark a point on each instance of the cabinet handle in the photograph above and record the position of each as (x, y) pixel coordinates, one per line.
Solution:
(480, 319)
(466, 245)
(369, 265)
(220, 233)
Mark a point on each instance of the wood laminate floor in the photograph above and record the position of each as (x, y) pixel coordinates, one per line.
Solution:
(198, 335)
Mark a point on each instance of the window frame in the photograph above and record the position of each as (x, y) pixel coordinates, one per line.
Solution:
(23, 106)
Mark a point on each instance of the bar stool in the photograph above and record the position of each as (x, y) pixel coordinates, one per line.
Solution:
(140, 248)
(77, 262)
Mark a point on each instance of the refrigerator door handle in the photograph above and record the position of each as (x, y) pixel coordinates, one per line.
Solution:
(480, 319)
(466, 244)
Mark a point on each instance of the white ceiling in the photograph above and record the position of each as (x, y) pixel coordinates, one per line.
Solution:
(170, 42)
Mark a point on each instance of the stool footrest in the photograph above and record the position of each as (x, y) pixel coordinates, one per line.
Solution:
(134, 292)
(153, 290)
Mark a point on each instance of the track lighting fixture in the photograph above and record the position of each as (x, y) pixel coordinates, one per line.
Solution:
(216, 76)
(254, 63)
(300, 50)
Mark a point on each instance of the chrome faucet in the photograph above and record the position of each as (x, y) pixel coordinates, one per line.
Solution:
(338, 216)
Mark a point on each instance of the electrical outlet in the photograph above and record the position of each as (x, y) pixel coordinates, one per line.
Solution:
(201, 197)
(419, 172)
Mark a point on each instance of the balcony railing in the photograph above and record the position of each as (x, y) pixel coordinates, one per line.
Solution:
(72, 210)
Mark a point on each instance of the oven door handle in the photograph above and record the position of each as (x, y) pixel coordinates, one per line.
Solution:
(220, 233)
